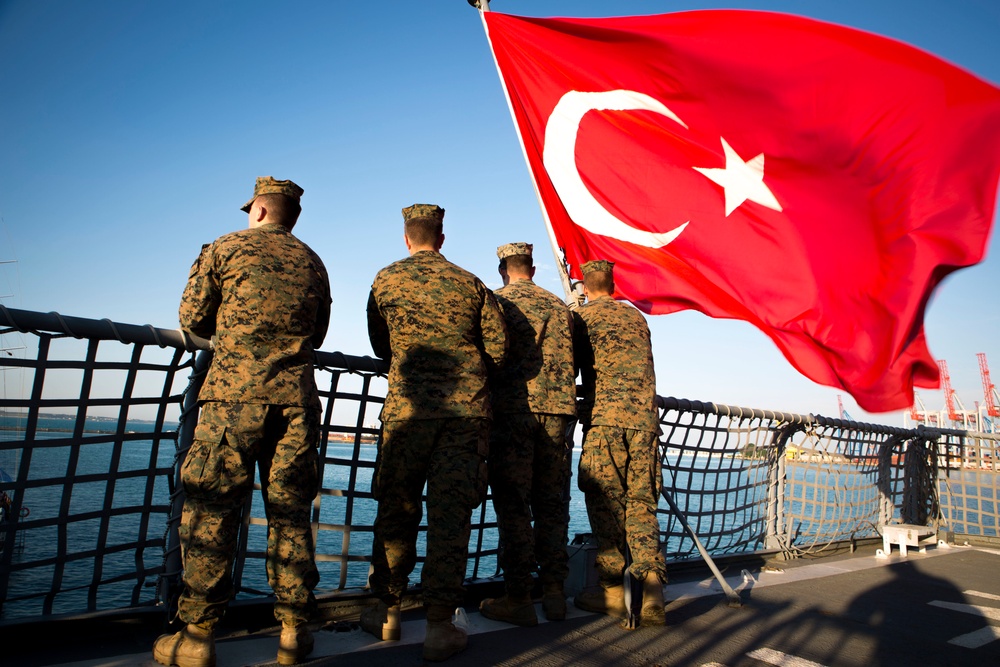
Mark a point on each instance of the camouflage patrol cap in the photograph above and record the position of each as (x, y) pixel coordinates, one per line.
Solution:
(511, 249)
(267, 185)
(598, 265)
(432, 211)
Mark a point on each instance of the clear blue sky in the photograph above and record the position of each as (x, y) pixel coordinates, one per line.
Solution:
(131, 132)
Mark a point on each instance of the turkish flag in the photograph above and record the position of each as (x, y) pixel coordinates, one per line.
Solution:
(814, 180)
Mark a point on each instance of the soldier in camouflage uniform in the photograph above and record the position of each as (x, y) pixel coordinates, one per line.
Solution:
(619, 473)
(442, 332)
(533, 398)
(263, 297)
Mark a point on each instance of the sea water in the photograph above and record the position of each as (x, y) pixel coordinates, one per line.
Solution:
(82, 482)
(63, 479)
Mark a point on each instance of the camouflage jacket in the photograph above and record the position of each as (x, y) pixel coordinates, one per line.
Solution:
(265, 297)
(442, 332)
(539, 375)
(615, 358)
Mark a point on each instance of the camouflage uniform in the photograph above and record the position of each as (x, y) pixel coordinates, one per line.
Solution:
(442, 332)
(533, 397)
(264, 298)
(619, 473)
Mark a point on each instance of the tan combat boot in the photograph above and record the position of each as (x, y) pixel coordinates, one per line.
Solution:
(610, 601)
(519, 610)
(443, 639)
(652, 601)
(194, 646)
(295, 644)
(382, 621)
(554, 602)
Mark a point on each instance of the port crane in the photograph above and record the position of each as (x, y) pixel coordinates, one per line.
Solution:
(991, 405)
(960, 417)
(840, 406)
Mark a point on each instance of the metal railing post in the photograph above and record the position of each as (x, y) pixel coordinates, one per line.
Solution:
(886, 505)
(172, 566)
(774, 536)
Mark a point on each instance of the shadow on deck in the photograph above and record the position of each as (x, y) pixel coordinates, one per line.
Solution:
(941, 607)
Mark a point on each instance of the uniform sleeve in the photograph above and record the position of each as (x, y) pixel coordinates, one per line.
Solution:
(323, 313)
(378, 330)
(494, 329)
(202, 297)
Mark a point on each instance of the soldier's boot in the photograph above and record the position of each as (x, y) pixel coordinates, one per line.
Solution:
(652, 601)
(382, 621)
(194, 646)
(443, 639)
(554, 602)
(517, 610)
(295, 644)
(608, 600)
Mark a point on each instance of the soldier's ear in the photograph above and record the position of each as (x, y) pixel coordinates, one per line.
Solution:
(440, 242)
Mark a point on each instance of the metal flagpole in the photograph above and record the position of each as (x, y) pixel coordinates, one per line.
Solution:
(572, 295)
(731, 595)
(573, 298)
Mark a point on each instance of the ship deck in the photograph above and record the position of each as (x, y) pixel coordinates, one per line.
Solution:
(939, 607)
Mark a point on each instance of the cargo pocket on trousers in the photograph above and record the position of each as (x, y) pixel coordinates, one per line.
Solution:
(212, 469)
(585, 479)
(200, 474)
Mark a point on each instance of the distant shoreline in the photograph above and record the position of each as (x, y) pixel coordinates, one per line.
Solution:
(46, 429)
(61, 416)
(333, 437)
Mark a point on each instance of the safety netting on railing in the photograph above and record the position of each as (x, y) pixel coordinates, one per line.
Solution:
(716, 468)
(87, 444)
(97, 418)
(968, 482)
(748, 480)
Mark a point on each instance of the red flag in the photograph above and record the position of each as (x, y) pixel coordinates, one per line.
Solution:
(813, 180)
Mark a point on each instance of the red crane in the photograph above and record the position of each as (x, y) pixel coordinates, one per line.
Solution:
(949, 393)
(989, 391)
(840, 406)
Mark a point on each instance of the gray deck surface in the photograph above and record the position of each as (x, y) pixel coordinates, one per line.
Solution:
(937, 608)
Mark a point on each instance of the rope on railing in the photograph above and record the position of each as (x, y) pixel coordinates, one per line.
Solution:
(746, 480)
(829, 480)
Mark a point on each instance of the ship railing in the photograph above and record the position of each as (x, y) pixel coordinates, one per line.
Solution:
(97, 417)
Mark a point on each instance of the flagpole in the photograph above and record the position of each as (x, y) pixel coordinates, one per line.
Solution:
(574, 296)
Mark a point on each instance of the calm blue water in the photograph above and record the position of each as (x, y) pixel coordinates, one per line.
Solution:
(90, 492)
(728, 516)
(337, 509)
(75, 482)
(63, 480)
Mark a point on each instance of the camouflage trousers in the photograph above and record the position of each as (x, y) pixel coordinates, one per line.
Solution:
(449, 456)
(529, 468)
(620, 477)
(218, 476)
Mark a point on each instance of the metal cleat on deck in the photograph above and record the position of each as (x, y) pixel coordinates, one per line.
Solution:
(905, 535)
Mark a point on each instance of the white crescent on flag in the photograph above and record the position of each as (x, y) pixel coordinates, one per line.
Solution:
(559, 158)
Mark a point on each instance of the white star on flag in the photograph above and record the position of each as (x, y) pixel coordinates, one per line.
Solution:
(741, 180)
